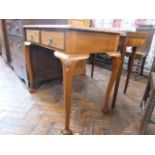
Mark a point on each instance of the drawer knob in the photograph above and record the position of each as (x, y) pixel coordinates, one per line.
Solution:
(49, 41)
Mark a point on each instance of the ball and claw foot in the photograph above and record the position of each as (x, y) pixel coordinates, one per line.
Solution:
(106, 110)
(66, 132)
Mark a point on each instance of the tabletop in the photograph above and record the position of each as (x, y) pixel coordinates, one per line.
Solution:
(70, 27)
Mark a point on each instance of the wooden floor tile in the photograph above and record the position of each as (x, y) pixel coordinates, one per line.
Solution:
(42, 113)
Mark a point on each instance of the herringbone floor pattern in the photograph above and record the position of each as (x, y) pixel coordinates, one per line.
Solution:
(42, 112)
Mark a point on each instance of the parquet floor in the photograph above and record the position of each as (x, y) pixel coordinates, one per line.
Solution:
(42, 112)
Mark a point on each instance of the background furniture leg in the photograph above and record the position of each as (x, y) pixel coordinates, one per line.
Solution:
(148, 113)
(93, 64)
(142, 66)
(29, 65)
(116, 61)
(116, 87)
(146, 94)
(122, 49)
(130, 64)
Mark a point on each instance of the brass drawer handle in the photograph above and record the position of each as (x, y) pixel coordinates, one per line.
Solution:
(49, 41)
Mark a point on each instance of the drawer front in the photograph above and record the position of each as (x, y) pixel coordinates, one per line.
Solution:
(15, 28)
(53, 39)
(136, 42)
(33, 36)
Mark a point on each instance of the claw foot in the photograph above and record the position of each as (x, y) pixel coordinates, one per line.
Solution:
(66, 132)
(106, 110)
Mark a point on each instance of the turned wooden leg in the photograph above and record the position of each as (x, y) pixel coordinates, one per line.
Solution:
(116, 61)
(69, 63)
(29, 65)
(130, 64)
(122, 49)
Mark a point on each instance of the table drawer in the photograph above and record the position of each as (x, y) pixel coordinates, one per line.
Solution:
(53, 39)
(33, 36)
(136, 42)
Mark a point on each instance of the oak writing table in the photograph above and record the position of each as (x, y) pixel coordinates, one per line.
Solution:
(72, 45)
